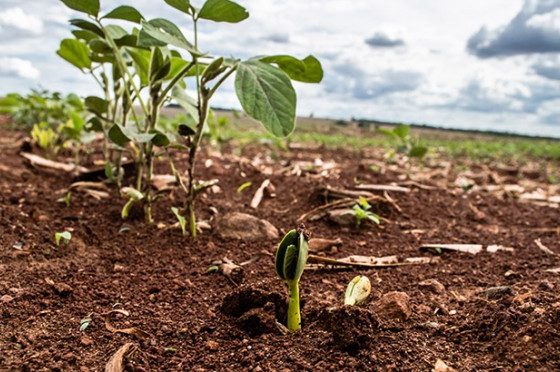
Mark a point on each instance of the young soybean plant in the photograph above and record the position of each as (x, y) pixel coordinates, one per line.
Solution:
(291, 257)
(262, 84)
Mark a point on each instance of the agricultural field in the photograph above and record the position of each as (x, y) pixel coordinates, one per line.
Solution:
(141, 229)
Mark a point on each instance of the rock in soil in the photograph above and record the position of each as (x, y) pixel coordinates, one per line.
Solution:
(393, 306)
(242, 226)
(352, 328)
(432, 285)
(495, 293)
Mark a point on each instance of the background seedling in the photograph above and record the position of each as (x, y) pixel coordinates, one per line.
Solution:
(243, 186)
(181, 219)
(361, 212)
(357, 290)
(405, 144)
(291, 257)
(64, 236)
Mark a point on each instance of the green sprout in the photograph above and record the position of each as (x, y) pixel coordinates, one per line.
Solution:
(64, 236)
(67, 199)
(291, 257)
(182, 220)
(361, 212)
(243, 186)
(357, 291)
(133, 196)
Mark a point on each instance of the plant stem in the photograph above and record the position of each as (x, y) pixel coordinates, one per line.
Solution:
(294, 316)
(152, 121)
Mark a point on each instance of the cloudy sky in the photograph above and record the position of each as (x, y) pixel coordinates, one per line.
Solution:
(484, 64)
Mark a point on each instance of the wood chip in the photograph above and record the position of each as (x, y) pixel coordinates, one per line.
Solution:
(464, 248)
(496, 248)
(163, 182)
(37, 160)
(367, 262)
(116, 362)
(543, 247)
(257, 198)
(374, 187)
(129, 331)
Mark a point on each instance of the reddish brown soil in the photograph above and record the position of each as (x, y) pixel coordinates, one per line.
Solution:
(199, 321)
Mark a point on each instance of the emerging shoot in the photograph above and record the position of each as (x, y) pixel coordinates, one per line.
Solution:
(182, 220)
(357, 291)
(64, 236)
(361, 212)
(291, 257)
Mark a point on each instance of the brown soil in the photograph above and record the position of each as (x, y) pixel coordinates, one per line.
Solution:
(185, 319)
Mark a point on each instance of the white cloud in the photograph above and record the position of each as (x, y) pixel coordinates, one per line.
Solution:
(16, 18)
(10, 66)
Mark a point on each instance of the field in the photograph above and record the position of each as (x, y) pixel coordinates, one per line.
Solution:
(144, 294)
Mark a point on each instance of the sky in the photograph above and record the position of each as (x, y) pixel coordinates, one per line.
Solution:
(478, 64)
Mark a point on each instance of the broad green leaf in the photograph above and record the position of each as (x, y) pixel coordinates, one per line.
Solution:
(87, 25)
(90, 7)
(126, 13)
(97, 105)
(167, 33)
(267, 95)
(75, 52)
(308, 70)
(182, 220)
(115, 32)
(160, 139)
(117, 136)
(94, 125)
(122, 135)
(127, 40)
(223, 11)
(85, 35)
(99, 46)
(182, 5)
(141, 60)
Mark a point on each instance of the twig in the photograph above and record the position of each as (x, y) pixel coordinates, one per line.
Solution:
(319, 212)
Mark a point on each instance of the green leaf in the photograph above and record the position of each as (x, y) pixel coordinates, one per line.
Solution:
(223, 11)
(182, 220)
(160, 139)
(402, 131)
(97, 105)
(117, 135)
(122, 135)
(75, 52)
(99, 46)
(141, 60)
(85, 35)
(267, 95)
(182, 5)
(64, 236)
(90, 7)
(115, 32)
(213, 69)
(166, 32)
(126, 13)
(308, 70)
(88, 26)
(185, 101)
(291, 238)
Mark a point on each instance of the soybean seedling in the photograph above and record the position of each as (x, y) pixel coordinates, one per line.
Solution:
(405, 144)
(291, 257)
(64, 236)
(357, 291)
(361, 212)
